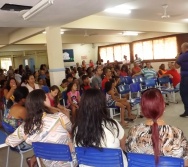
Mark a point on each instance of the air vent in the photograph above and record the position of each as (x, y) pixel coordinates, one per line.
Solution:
(14, 7)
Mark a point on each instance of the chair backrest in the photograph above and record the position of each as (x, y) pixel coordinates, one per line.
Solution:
(138, 79)
(123, 89)
(64, 97)
(105, 157)
(3, 137)
(128, 80)
(135, 87)
(146, 160)
(7, 127)
(51, 151)
(164, 80)
(150, 83)
(46, 89)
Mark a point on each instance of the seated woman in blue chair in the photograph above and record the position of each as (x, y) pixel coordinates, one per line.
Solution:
(16, 112)
(42, 126)
(115, 101)
(155, 136)
(93, 126)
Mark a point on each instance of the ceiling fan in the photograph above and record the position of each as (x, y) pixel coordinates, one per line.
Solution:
(87, 35)
(165, 15)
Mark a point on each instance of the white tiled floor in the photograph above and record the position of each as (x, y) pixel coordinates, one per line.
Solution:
(171, 116)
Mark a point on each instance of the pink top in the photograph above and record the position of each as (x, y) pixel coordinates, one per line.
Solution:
(51, 101)
(74, 97)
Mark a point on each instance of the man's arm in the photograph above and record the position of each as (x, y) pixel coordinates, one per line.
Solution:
(176, 62)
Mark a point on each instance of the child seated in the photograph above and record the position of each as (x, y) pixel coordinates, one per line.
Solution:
(73, 99)
(86, 83)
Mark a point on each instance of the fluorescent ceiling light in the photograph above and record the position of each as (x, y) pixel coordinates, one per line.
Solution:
(131, 33)
(185, 20)
(61, 32)
(37, 8)
(121, 9)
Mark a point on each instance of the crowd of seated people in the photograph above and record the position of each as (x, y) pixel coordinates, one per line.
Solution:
(86, 88)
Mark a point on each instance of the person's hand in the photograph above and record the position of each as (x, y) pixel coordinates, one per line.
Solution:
(13, 87)
(76, 106)
(170, 76)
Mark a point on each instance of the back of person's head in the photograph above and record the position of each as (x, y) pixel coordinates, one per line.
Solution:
(20, 93)
(3, 83)
(108, 84)
(92, 114)
(35, 107)
(152, 106)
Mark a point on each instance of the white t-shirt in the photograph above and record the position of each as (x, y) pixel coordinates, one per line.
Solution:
(111, 140)
(31, 89)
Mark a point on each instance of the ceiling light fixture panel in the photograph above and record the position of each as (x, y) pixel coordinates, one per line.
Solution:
(121, 9)
(37, 8)
(130, 33)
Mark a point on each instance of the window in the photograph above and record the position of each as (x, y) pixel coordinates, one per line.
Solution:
(163, 48)
(5, 63)
(115, 52)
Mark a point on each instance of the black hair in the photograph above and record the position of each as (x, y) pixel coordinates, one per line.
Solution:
(69, 87)
(84, 77)
(64, 81)
(108, 85)
(69, 76)
(20, 93)
(8, 83)
(92, 117)
(35, 107)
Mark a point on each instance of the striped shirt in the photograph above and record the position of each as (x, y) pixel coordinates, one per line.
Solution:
(138, 61)
(149, 73)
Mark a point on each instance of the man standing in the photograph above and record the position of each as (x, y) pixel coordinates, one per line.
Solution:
(182, 61)
(138, 60)
(96, 81)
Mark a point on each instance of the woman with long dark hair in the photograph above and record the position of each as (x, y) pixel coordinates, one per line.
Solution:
(155, 136)
(10, 87)
(93, 126)
(42, 126)
(16, 112)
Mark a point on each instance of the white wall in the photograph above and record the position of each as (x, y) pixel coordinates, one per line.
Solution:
(86, 50)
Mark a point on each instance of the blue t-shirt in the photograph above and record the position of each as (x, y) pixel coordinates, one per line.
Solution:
(183, 62)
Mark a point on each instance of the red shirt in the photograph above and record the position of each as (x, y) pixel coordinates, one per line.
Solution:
(104, 82)
(123, 74)
(176, 76)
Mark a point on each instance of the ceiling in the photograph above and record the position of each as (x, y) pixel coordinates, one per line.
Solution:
(86, 18)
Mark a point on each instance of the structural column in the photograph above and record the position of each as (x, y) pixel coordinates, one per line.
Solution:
(55, 55)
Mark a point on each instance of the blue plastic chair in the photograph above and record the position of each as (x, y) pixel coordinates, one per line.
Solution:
(128, 80)
(167, 89)
(64, 97)
(135, 88)
(46, 89)
(104, 157)
(9, 129)
(150, 83)
(146, 160)
(123, 89)
(51, 151)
